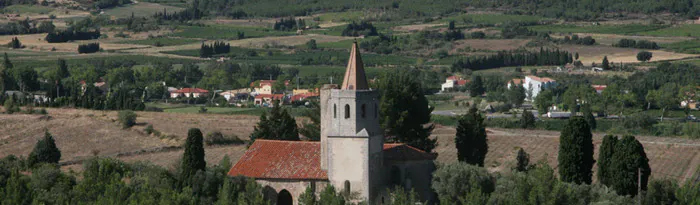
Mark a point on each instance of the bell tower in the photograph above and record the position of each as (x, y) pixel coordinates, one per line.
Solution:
(351, 137)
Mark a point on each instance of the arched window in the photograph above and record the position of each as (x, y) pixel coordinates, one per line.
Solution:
(335, 112)
(347, 187)
(347, 111)
(364, 111)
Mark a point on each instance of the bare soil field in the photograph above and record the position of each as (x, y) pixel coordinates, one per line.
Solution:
(674, 158)
(37, 42)
(416, 27)
(81, 134)
(595, 54)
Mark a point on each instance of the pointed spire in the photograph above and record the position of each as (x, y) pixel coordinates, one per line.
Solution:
(355, 78)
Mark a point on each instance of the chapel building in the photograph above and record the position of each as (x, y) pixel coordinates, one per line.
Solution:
(351, 155)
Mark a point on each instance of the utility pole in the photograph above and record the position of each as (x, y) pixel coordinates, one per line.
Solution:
(639, 186)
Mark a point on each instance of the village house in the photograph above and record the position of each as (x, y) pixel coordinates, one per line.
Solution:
(189, 92)
(265, 86)
(267, 99)
(534, 85)
(453, 82)
(351, 155)
(236, 95)
(514, 82)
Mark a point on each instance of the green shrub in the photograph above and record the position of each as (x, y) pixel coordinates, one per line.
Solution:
(218, 138)
(149, 129)
(505, 122)
(127, 118)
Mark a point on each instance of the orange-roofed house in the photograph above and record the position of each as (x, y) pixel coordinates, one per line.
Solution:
(189, 92)
(351, 154)
(534, 85)
(515, 82)
(453, 82)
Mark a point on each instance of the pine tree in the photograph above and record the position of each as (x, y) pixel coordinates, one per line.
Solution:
(576, 152)
(280, 125)
(62, 71)
(308, 197)
(470, 140)
(476, 88)
(45, 151)
(405, 111)
(193, 158)
(605, 159)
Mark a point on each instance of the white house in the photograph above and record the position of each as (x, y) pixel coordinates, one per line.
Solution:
(453, 82)
(187, 92)
(534, 85)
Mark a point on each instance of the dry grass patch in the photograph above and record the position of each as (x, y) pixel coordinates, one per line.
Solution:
(490, 44)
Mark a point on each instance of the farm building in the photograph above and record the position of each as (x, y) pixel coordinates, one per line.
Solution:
(453, 82)
(267, 99)
(351, 155)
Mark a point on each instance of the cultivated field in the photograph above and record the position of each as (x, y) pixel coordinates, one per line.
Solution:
(80, 134)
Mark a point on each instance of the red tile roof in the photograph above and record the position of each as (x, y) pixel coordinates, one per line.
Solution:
(541, 79)
(303, 96)
(191, 90)
(599, 87)
(275, 159)
(461, 82)
(273, 96)
(454, 77)
(267, 159)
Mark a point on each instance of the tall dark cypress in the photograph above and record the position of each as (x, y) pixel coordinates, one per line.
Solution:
(193, 158)
(471, 142)
(605, 155)
(576, 152)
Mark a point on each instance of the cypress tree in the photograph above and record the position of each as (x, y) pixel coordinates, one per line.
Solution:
(193, 158)
(576, 152)
(527, 120)
(45, 151)
(523, 161)
(605, 155)
(471, 141)
(476, 88)
(606, 63)
(629, 159)
(590, 119)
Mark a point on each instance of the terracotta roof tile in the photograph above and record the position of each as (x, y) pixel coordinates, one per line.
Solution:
(274, 159)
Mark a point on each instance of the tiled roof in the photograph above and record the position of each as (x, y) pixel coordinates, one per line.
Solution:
(517, 81)
(599, 87)
(275, 159)
(191, 90)
(273, 96)
(303, 96)
(355, 78)
(454, 77)
(272, 159)
(461, 82)
(543, 79)
(403, 152)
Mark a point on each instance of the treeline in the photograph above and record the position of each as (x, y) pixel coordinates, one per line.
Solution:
(289, 24)
(89, 48)
(363, 28)
(218, 47)
(14, 43)
(71, 35)
(575, 39)
(26, 27)
(14, 2)
(590, 10)
(514, 58)
(104, 4)
(386, 44)
(631, 43)
(191, 13)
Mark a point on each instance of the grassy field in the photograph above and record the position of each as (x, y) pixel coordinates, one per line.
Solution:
(141, 9)
(606, 29)
(692, 47)
(346, 16)
(26, 9)
(682, 30)
(163, 41)
(219, 32)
